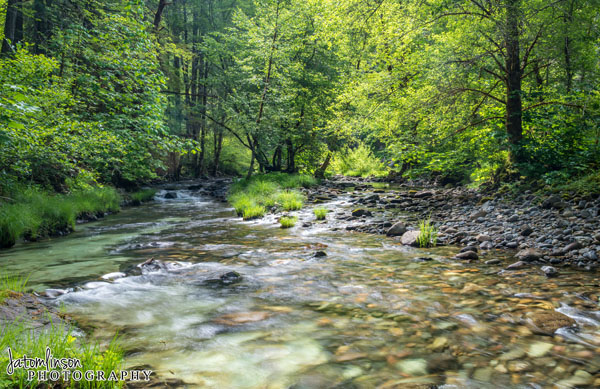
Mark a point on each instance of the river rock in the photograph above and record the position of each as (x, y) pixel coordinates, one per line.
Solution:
(409, 238)
(228, 278)
(467, 255)
(550, 271)
(517, 265)
(483, 238)
(320, 254)
(113, 276)
(526, 230)
(539, 349)
(397, 229)
(580, 378)
(550, 201)
(469, 248)
(233, 319)
(413, 366)
(170, 195)
(528, 255)
(361, 212)
(572, 246)
(442, 362)
(547, 322)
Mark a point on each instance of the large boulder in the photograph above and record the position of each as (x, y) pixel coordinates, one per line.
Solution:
(397, 229)
(409, 238)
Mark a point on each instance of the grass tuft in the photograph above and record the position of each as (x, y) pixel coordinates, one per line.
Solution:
(142, 196)
(254, 212)
(428, 234)
(288, 222)
(320, 213)
(268, 190)
(10, 285)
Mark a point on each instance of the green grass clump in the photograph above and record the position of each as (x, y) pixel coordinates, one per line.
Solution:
(24, 341)
(358, 162)
(428, 234)
(33, 213)
(290, 200)
(142, 196)
(288, 222)
(320, 213)
(269, 190)
(9, 285)
(254, 212)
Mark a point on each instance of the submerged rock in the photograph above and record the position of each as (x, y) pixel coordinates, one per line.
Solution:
(170, 195)
(239, 318)
(547, 322)
(550, 271)
(467, 255)
(228, 278)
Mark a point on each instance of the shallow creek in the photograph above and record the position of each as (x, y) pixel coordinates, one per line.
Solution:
(371, 313)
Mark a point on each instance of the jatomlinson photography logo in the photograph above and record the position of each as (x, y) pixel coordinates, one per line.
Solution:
(49, 368)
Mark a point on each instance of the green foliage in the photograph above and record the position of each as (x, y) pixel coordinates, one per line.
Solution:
(288, 222)
(33, 214)
(253, 212)
(25, 341)
(427, 234)
(268, 190)
(290, 200)
(358, 161)
(142, 196)
(584, 185)
(320, 213)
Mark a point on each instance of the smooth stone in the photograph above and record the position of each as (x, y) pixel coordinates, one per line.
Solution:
(467, 255)
(113, 276)
(580, 378)
(539, 349)
(512, 354)
(409, 238)
(413, 366)
(550, 271)
(528, 255)
(397, 229)
(483, 374)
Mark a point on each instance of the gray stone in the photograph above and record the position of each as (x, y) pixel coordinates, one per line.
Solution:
(409, 238)
(529, 255)
(397, 229)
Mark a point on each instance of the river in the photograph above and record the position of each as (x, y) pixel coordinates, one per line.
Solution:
(371, 313)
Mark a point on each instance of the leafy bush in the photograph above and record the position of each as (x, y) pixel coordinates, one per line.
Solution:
(288, 222)
(428, 234)
(320, 213)
(358, 161)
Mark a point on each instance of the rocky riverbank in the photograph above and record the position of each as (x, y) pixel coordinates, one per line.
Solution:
(29, 311)
(552, 230)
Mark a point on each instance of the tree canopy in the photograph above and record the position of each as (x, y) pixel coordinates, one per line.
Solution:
(470, 91)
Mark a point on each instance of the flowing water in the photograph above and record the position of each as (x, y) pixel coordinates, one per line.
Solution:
(371, 313)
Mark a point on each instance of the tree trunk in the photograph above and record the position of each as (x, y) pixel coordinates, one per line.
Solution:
(217, 147)
(514, 125)
(567, 48)
(320, 172)
(291, 156)
(11, 26)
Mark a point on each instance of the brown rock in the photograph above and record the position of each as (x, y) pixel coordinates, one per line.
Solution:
(547, 322)
(529, 255)
(233, 319)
